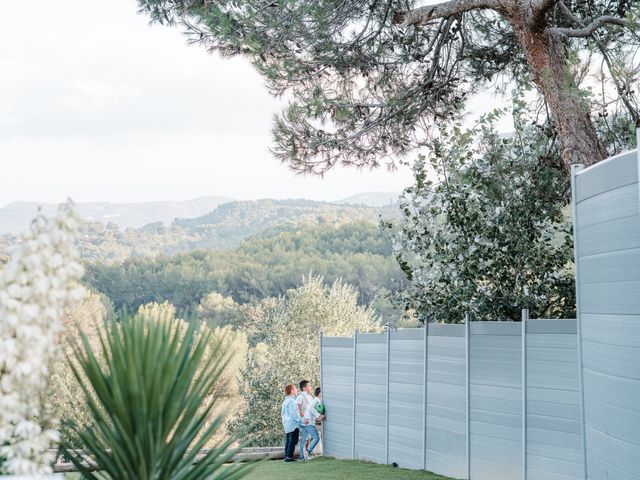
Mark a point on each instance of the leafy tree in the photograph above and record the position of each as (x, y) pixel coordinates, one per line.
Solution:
(367, 78)
(216, 309)
(249, 318)
(291, 353)
(491, 236)
(87, 317)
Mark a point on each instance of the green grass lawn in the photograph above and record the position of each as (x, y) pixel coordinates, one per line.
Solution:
(329, 469)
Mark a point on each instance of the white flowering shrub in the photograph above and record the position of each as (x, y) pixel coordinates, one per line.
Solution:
(36, 285)
(489, 235)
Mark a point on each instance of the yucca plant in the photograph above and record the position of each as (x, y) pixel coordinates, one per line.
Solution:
(146, 392)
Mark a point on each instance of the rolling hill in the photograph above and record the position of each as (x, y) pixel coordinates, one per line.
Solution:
(16, 216)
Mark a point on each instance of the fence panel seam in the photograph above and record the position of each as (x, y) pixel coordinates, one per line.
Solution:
(467, 336)
(353, 413)
(575, 169)
(525, 317)
(386, 440)
(425, 395)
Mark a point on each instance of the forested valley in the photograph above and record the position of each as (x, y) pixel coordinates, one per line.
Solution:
(247, 251)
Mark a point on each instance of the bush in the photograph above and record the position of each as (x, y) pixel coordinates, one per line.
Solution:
(149, 392)
(490, 235)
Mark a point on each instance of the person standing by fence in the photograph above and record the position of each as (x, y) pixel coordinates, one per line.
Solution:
(312, 416)
(304, 400)
(291, 421)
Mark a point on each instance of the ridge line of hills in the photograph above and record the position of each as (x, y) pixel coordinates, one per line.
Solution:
(16, 216)
(221, 228)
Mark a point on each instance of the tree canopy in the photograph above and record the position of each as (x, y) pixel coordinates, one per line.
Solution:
(491, 236)
(368, 79)
(260, 267)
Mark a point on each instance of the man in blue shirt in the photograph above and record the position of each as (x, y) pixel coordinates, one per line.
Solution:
(291, 421)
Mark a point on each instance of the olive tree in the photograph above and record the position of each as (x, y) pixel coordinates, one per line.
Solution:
(291, 351)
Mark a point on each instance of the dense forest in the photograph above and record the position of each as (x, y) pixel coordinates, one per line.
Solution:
(263, 266)
(246, 252)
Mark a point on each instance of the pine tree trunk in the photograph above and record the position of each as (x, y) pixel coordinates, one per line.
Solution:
(545, 54)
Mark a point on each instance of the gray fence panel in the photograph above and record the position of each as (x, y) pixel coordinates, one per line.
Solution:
(607, 225)
(496, 400)
(371, 387)
(553, 401)
(446, 394)
(406, 398)
(435, 432)
(337, 395)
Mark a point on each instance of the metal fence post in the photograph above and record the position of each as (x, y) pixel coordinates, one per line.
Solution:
(525, 317)
(353, 412)
(321, 390)
(424, 394)
(386, 423)
(575, 169)
(467, 334)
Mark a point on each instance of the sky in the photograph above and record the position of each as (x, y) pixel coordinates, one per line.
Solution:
(97, 105)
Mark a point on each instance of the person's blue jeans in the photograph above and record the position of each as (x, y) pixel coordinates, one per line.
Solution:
(311, 431)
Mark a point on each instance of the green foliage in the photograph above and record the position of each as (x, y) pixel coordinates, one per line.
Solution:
(259, 268)
(291, 352)
(491, 235)
(365, 89)
(85, 318)
(146, 390)
(216, 309)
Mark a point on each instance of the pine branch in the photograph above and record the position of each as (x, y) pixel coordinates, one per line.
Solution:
(425, 14)
(592, 27)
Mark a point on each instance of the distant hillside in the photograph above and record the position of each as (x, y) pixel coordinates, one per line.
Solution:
(232, 222)
(223, 227)
(16, 216)
(372, 199)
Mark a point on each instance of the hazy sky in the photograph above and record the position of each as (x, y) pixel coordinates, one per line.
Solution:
(95, 104)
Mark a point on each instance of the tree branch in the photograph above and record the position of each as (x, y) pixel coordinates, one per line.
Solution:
(423, 15)
(592, 27)
(539, 9)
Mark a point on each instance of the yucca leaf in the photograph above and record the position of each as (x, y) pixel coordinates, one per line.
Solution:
(146, 392)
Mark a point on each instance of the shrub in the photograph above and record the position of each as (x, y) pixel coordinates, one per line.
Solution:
(36, 286)
(490, 234)
(147, 391)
